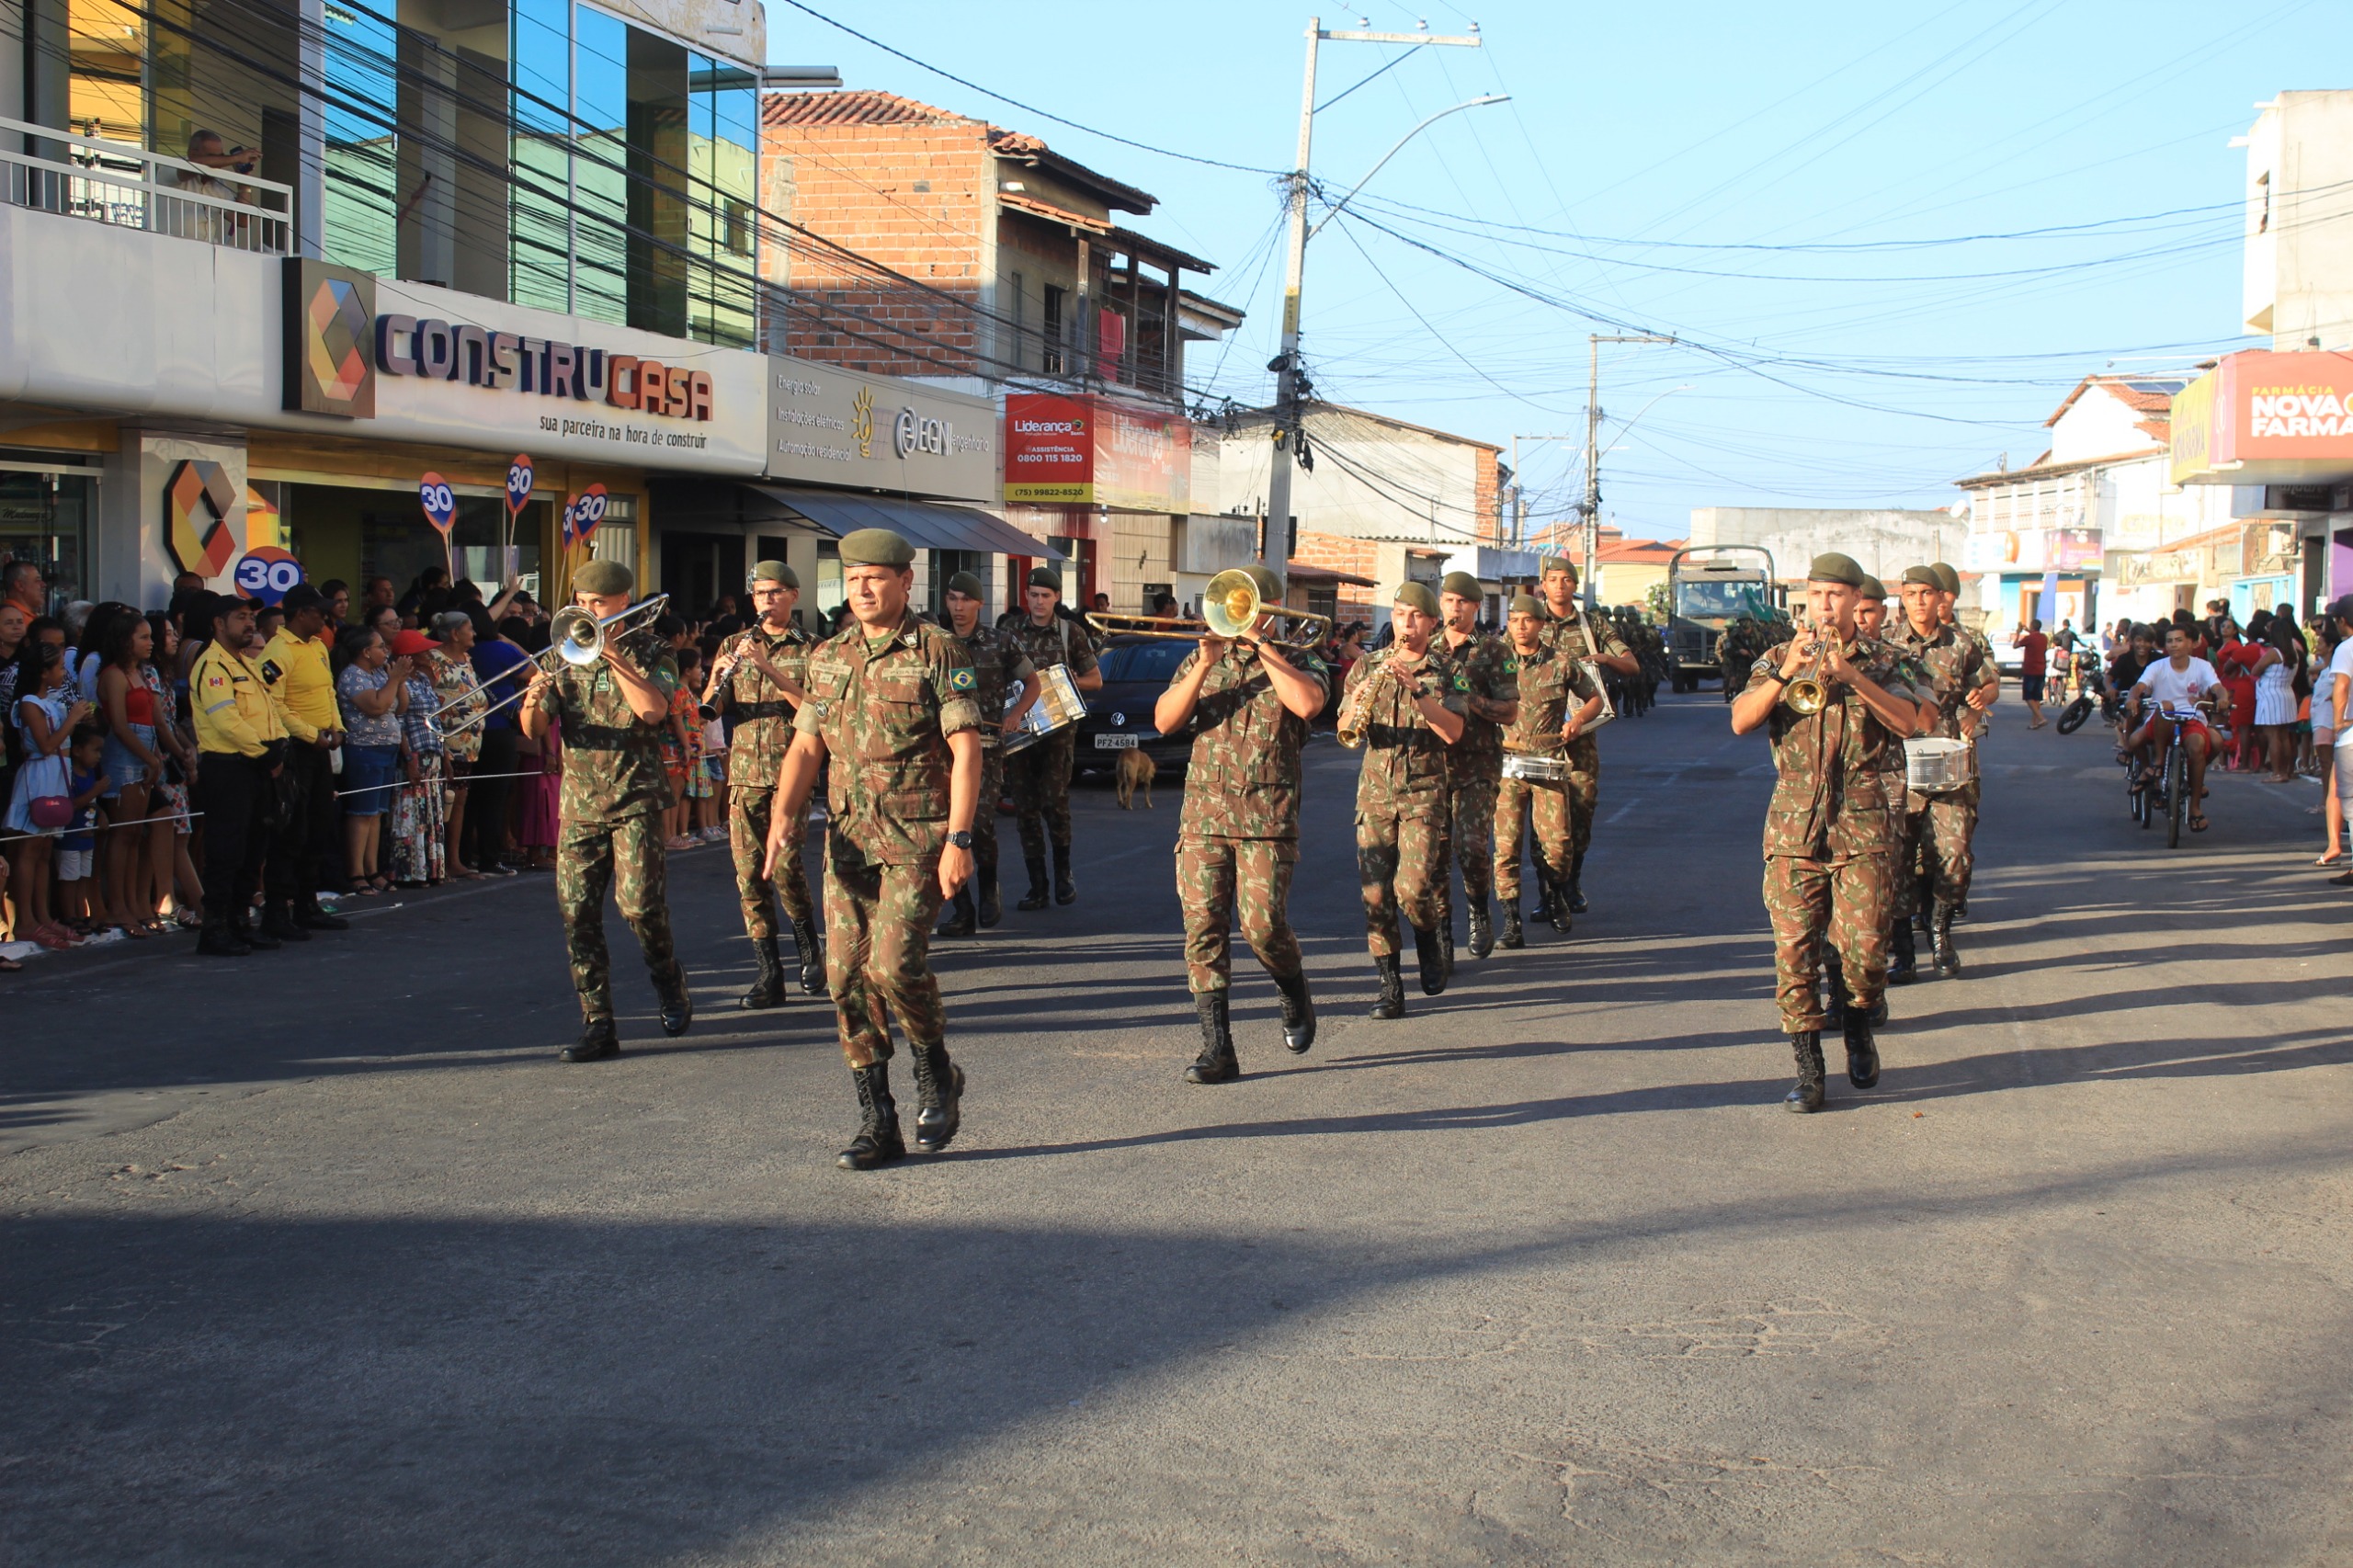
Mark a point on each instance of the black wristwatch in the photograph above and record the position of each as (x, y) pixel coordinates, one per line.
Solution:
(961, 839)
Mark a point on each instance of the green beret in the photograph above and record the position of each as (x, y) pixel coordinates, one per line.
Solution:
(1873, 588)
(1045, 577)
(964, 583)
(1463, 585)
(1946, 578)
(1557, 563)
(1834, 567)
(777, 572)
(1418, 596)
(1924, 575)
(876, 547)
(1270, 584)
(1527, 604)
(603, 578)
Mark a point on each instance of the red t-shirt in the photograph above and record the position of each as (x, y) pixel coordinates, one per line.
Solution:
(2037, 647)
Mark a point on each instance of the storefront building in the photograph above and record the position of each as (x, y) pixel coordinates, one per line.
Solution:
(2278, 427)
(1107, 483)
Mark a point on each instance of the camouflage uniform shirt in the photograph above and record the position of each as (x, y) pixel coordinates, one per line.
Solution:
(1484, 666)
(1955, 663)
(1244, 778)
(1058, 642)
(1551, 684)
(612, 759)
(1405, 760)
(1562, 632)
(885, 710)
(763, 717)
(999, 668)
(1833, 799)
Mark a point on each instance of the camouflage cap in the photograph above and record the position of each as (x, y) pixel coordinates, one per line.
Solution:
(1418, 596)
(1946, 578)
(1270, 583)
(876, 547)
(774, 572)
(603, 578)
(1527, 604)
(1045, 577)
(1924, 575)
(1463, 585)
(964, 583)
(1552, 564)
(1833, 567)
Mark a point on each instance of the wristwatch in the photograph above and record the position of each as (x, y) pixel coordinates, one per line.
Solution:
(961, 839)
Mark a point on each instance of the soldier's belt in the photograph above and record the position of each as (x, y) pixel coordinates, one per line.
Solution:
(748, 712)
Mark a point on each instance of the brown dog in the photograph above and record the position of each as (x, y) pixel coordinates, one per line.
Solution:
(1135, 773)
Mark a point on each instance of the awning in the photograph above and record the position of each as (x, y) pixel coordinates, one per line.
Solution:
(924, 524)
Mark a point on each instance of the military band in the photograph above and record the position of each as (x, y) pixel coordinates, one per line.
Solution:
(1040, 774)
(1557, 699)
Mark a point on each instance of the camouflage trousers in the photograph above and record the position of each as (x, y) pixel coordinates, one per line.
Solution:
(878, 950)
(1221, 881)
(1938, 856)
(984, 820)
(627, 857)
(1840, 904)
(1401, 862)
(749, 812)
(1471, 785)
(1585, 792)
(1040, 780)
(1521, 807)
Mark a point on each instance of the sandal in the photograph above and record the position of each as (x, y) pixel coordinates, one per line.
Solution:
(2329, 860)
(380, 883)
(2198, 822)
(359, 888)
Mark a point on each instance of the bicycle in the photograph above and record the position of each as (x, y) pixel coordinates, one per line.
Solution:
(2169, 793)
(2089, 695)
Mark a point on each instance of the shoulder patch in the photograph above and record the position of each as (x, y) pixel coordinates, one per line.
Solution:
(1511, 664)
(961, 680)
(1461, 683)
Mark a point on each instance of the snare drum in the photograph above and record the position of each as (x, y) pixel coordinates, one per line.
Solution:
(1059, 706)
(1533, 768)
(1935, 765)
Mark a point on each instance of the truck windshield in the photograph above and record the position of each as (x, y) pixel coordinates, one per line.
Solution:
(1721, 599)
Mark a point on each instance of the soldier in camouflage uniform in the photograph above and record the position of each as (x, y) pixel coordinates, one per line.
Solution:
(1870, 622)
(613, 712)
(1249, 705)
(1480, 670)
(891, 701)
(1403, 704)
(1963, 680)
(1040, 773)
(1830, 830)
(999, 668)
(1560, 584)
(1557, 697)
(760, 680)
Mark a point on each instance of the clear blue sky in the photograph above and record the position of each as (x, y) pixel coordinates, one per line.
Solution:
(1653, 163)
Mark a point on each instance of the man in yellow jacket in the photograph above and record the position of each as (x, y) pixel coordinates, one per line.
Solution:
(296, 668)
(242, 735)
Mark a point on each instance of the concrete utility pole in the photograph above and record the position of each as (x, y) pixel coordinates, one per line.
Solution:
(1286, 364)
(1591, 508)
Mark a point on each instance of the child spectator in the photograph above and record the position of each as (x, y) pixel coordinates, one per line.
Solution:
(46, 715)
(682, 747)
(712, 809)
(77, 847)
(538, 808)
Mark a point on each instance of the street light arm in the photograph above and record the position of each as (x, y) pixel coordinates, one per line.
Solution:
(1473, 103)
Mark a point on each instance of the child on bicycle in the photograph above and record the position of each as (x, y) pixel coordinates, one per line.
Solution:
(2173, 691)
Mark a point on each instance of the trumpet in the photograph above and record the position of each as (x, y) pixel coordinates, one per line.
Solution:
(575, 637)
(1808, 693)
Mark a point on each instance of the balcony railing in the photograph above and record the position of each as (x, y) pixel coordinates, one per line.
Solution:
(113, 182)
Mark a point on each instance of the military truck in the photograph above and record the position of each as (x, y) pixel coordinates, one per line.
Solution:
(1708, 586)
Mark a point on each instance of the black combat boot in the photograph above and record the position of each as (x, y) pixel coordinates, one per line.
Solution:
(1575, 902)
(219, 938)
(1216, 1063)
(1862, 1051)
(877, 1141)
(767, 986)
(1035, 897)
(260, 940)
(812, 956)
(1065, 890)
(962, 923)
(677, 1003)
(599, 1040)
(278, 920)
(1512, 937)
(1903, 958)
(1391, 1001)
(1807, 1093)
(1543, 910)
(939, 1097)
(1834, 974)
(1299, 1013)
(1430, 955)
(1941, 943)
(992, 907)
(1483, 935)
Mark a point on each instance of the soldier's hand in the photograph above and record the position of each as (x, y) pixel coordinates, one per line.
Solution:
(955, 869)
(1571, 726)
(1213, 648)
(1794, 660)
(774, 857)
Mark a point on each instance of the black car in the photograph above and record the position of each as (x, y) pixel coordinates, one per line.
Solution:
(1136, 670)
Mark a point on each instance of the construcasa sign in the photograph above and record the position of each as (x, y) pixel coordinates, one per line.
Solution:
(2266, 418)
(1092, 451)
(828, 425)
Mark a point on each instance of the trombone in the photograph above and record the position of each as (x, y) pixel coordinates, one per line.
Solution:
(1230, 608)
(575, 637)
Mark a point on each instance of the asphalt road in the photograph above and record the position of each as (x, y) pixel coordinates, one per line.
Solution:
(320, 1257)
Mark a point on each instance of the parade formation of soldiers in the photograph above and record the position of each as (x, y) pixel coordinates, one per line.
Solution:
(1479, 759)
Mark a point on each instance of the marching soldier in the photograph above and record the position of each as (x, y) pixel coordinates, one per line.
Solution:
(891, 700)
(1478, 670)
(1398, 700)
(1040, 773)
(999, 665)
(1249, 704)
(615, 791)
(1870, 622)
(1830, 830)
(1963, 680)
(759, 679)
(1559, 581)
(1557, 699)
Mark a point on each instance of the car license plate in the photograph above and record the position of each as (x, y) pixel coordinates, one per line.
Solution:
(1114, 742)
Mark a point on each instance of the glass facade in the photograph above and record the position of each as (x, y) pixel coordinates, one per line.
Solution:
(46, 518)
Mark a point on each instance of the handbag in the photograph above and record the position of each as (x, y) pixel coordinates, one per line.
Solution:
(50, 812)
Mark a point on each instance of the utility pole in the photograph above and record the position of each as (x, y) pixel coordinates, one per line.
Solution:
(1591, 508)
(1288, 420)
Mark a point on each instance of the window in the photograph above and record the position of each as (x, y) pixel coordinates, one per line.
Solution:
(1051, 360)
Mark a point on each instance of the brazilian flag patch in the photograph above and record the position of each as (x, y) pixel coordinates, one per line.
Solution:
(1461, 683)
(1511, 666)
(960, 680)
